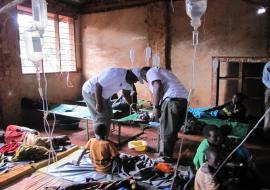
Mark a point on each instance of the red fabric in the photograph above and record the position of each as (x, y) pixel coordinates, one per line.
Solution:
(9, 148)
(164, 167)
(14, 134)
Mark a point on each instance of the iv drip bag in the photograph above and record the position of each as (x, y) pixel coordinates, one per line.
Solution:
(156, 60)
(195, 9)
(33, 46)
(132, 56)
(40, 14)
(147, 54)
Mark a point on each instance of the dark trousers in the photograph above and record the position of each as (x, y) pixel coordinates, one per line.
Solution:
(172, 117)
(99, 117)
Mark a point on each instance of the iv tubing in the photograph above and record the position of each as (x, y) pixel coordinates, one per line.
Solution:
(172, 6)
(46, 126)
(69, 83)
(195, 43)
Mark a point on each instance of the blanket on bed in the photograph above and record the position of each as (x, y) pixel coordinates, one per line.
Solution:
(238, 129)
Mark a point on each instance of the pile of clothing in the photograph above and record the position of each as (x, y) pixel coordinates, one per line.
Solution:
(3, 164)
(147, 173)
(144, 116)
(27, 144)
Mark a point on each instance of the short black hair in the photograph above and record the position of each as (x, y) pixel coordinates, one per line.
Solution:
(211, 151)
(101, 130)
(144, 69)
(209, 128)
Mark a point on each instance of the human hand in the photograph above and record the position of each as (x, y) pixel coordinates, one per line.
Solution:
(99, 107)
(156, 114)
(134, 107)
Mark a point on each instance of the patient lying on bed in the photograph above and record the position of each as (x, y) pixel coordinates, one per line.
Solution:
(28, 145)
(232, 110)
(101, 151)
(27, 136)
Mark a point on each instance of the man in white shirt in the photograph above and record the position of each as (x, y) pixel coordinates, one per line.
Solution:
(266, 82)
(170, 104)
(98, 90)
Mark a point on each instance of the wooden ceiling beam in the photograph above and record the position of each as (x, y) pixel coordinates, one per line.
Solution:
(264, 3)
(56, 7)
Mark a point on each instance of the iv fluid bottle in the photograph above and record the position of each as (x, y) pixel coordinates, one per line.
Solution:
(156, 60)
(195, 9)
(33, 46)
(40, 14)
(147, 54)
(132, 56)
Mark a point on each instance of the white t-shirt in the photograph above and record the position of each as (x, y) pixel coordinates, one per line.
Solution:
(172, 87)
(112, 81)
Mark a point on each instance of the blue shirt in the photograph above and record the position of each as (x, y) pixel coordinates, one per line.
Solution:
(266, 75)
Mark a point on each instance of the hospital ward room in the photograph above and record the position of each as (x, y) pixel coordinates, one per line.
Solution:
(134, 94)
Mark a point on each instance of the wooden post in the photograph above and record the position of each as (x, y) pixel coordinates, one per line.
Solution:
(215, 81)
(240, 76)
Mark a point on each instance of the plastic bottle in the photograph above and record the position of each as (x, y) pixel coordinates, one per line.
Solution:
(147, 54)
(195, 9)
(33, 45)
(156, 60)
(40, 14)
(132, 56)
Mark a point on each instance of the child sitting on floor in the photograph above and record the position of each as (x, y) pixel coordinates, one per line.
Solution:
(213, 138)
(101, 151)
(204, 179)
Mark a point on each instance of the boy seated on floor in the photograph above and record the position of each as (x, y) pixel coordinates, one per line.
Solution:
(101, 151)
(218, 137)
(204, 179)
(232, 176)
(240, 166)
(213, 138)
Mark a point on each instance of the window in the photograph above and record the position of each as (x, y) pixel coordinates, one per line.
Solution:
(58, 43)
